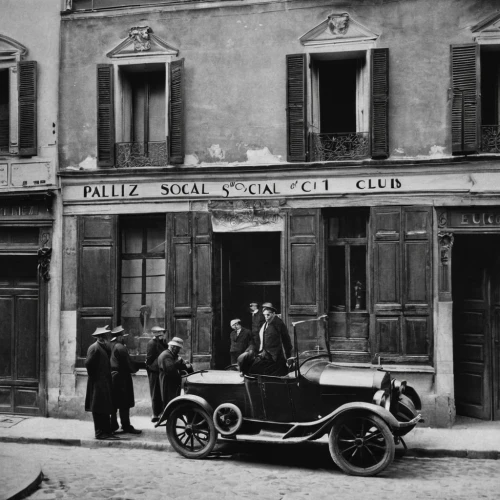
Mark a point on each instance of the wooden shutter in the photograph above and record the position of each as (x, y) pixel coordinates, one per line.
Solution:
(465, 108)
(27, 71)
(105, 116)
(296, 107)
(304, 281)
(176, 122)
(97, 236)
(401, 253)
(380, 103)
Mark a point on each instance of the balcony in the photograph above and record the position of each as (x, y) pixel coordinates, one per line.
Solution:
(341, 146)
(490, 138)
(141, 154)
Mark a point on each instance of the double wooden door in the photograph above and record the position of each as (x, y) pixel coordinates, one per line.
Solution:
(476, 325)
(19, 336)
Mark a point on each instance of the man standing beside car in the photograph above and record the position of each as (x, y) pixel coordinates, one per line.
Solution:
(154, 348)
(272, 347)
(241, 339)
(257, 318)
(171, 366)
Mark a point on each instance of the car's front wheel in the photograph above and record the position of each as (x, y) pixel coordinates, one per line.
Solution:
(361, 445)
(191, 431)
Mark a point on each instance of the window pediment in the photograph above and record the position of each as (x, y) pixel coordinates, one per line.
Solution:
(338, 29)
(10, 49)
(488, 30)
(141, 41)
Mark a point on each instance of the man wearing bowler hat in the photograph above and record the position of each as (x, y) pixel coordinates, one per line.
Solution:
(171, 366)
(241, 339)
(273, 347)
(154, 348)
(98, 399)
(122, 368)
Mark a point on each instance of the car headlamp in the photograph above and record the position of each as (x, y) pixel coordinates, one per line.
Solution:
(383, 399)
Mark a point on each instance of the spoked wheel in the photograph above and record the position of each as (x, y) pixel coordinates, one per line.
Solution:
(361, 445)
(191, 431)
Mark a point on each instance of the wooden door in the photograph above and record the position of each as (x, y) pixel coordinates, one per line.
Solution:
(495, 335)
(19, 336)
(472, 328)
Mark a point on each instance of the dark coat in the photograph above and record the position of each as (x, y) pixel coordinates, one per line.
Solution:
(99, 393)
(170, 378)
(241, 342)
(257, 321)
(154, 348)
(276, 340)
(122, 367)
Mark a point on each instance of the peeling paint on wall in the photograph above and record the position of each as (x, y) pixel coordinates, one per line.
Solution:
(191, 160)
(437, 151)
(216, 152)
(89, 163)
(263, 156)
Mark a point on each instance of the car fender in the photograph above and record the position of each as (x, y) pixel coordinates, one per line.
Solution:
(191, 398)
(385, 415)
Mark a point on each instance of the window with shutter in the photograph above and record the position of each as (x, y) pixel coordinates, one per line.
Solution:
(27, 108)
(330, 121)
(465, 98)
(146, 122)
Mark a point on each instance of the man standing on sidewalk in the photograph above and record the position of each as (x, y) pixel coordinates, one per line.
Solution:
(171, 366)
(122, 368)
(154, 348)
(98, 399)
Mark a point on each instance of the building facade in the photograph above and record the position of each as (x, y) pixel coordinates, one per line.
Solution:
(30, 208)
(331, 162)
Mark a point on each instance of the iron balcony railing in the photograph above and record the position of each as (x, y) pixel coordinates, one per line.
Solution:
(490, 138)
(141, 154)
(340, 146)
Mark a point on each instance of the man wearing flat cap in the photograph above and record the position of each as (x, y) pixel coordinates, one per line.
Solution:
(154, 348)
(122, 368)
(98, 399)
(273, 347)
(171, 366)
(241, 339)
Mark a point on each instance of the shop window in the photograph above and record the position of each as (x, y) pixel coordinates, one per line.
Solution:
(142, 278)
(18, 100)
(348, 284)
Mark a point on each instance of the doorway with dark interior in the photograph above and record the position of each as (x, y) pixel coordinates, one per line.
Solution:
(249, 270)
(476, 325)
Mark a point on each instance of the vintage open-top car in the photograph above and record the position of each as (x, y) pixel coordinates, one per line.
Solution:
(363, 411)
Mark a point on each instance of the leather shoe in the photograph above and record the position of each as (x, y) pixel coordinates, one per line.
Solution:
(108, 437)
(131, 430)
(155, 419)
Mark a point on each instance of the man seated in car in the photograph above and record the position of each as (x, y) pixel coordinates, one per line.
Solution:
(270, 349)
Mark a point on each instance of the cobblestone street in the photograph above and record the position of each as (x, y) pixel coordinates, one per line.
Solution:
(249, 471)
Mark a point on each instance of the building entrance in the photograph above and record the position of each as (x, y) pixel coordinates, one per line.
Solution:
(19, 335)
(476, 325)
(250, 271)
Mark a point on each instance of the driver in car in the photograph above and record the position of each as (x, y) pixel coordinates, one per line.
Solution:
(270, 349)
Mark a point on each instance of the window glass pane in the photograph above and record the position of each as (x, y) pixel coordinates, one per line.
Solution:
(131, 285)
(4, 110)
(131, 305)
(358, 277)
(157, 106)
(156, 240)
(336, 256)
(156, 301)
(351, 225)
(131, 268)
(132, 240)
(155, 284)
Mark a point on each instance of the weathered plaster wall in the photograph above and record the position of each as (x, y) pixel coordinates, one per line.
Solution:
(235, 71)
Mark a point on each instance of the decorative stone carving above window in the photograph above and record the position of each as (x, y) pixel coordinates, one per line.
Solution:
(488, 30)
(142, 41)
(338, 28)
(11, 50)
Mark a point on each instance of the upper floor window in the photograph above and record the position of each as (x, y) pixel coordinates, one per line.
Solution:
(18, 100)
(140, 104)
(337, 94)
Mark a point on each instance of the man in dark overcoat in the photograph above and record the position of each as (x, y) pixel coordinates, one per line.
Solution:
(171, 366)
(98, 399)
(154, 348)
(122, 368)
(241, 339)
(272, 347)
(257, 318)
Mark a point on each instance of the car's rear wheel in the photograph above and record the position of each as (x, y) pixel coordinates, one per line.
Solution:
(361, 445)
(191, 431)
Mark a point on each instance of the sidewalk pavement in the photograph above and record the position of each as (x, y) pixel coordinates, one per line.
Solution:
(469, 438)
